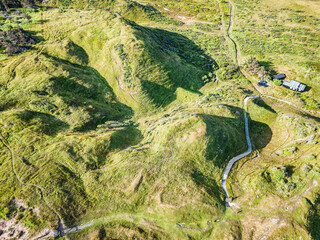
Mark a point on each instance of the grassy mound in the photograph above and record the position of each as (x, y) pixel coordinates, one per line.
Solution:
(143, 65)
(125, 118)
(282, 182)
(74, 153)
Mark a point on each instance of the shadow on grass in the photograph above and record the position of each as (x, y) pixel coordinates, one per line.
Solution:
(246, 91)
(260, 133)
(182, 62)
(226, 136)
(158, 93)
(42, 122)
(85, 89)
(125, 138)
(35, 35)
(314, 219)
(95, 157)
(269, 66)
(289, 170)
(209, 184)
(307, 89)
(78, 52)
(317, 119)
(194, 91)
(262, 104)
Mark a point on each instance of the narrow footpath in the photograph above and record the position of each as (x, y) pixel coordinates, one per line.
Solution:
(238, 62)
(240, 156)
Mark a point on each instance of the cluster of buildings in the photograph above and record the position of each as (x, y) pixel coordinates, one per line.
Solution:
(292, 85)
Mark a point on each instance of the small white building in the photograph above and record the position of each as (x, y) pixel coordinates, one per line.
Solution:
(294, 85)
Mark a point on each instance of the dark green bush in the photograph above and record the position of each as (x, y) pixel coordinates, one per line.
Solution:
(5, 213)
(251, 65)
(227, 72)
(277, 82)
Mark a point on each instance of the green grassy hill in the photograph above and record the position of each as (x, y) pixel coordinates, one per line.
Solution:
(65, 106)
(124, 115)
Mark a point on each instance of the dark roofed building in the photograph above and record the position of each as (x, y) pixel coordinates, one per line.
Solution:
(280, 76)
(294, 85)
(262, 83)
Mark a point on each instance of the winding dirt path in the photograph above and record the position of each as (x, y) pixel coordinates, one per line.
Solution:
(238, 60)
(229, 30)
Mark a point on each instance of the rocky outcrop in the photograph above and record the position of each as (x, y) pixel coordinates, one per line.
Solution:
(7, 4)
(16, 41)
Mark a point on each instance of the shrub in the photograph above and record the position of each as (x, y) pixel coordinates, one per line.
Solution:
(277, 82)
(27, 3)
(30, 221)
(251, 65)
(208, 78)
(280, 178)
(227, 72)
(5, 213)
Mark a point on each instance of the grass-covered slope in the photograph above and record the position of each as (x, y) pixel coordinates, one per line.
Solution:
(115, 117)
(43, 83)
(69, 149)
(143, 65)
(278, 190)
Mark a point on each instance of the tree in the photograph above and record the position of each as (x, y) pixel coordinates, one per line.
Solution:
(251, 65)
(7, 4)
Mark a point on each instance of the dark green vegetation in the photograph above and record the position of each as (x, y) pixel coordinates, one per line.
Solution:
(8, 4)
(314, 219)
(125, 114)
